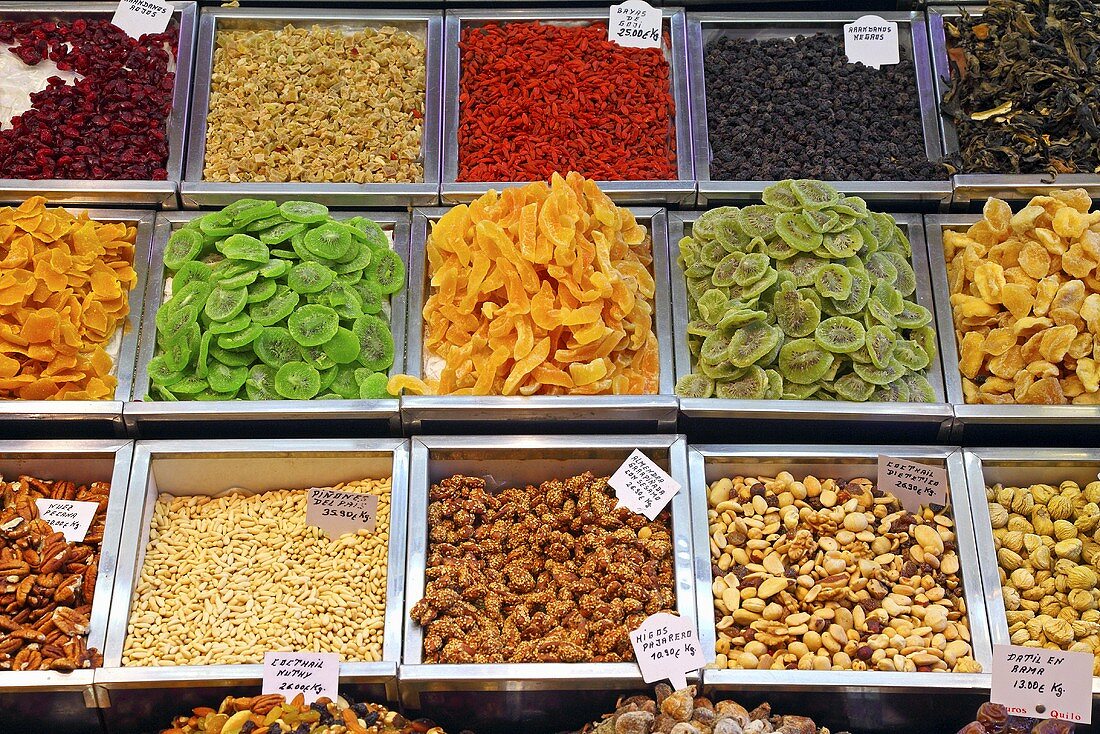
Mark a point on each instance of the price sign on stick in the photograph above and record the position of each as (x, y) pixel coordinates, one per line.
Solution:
(642, 486)
(635, 24)
(912, 483)
(337, 512)
(667, 646)
(140, 17)
(1042, 683)
(313, 674)
(872, 41)
(68, 517)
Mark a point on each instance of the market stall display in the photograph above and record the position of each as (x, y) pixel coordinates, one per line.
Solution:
(786, 74)
(993, 718)
(84, 102)
(254, 289)
(531, 93)
(341, 107)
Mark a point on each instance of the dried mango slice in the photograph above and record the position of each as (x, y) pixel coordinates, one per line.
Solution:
(64, 284)
(542, 289)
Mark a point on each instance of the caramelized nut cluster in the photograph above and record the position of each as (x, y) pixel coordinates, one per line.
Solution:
(553, 573)
(46, 582)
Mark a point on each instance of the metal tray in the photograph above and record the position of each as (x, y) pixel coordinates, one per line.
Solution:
(785, 420)
(60, 702)
(991, 424)
(197, 192)
(226, 419)
(146, 698)
(64, 418)
(114, 191)
(972, 189)
(859, 700)
(680, 191)
(539, 413)
(486, 695)
(913, 36)
(1014, 467)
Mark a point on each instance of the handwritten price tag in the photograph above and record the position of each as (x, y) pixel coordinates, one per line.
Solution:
(642, 486)
(914, 484)
(313, 674)
(872, 41)
(68, 517)
(141, 17)
(1043, 684)
(667, 646)
(337, 513)
(635, 24)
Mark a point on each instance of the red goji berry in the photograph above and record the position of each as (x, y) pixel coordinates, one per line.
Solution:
(538, 98)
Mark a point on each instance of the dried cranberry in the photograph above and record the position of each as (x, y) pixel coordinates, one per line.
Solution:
(110, 124)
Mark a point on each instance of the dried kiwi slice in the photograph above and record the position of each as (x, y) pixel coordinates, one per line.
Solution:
(820, 220)
(225, 379)
(775, 385)
(309, 277)
(374, 387)
(388, 270)
(376, 348)
(843, 244)
(815, 194)
(795, 231)
(233, 357)
(297, 381)
(857, 297)
(313, 324)
(241, 338)
(803, 268)
(840, 334)
(237, 323)
(781, 196)
(752, 268)
(737, 317)
(895, 392)
(369, 232)
(217, 224)
(370, 296)
(712, 305)
(261, 290)
(853, 388)
(920, 389)
(694, 386)
(880, 344)
(803, 361)
(913, 316)
(705, 227)
(330, 241)
(275, 347)
(751, 343)
(714, 348)
(879, 375)
(833, 281)
(190, 272)
(753, 385)
(726, 269)
(343, 348)
(307, 212)
(161, 373)
(224, 303)
(281, 233)
(881, 267)
(758, 221)
(276, 308)
(344, 384)
(260, 384)
(906, 280)
(796, 316)
(244, 247)
(910, 354)
(183, 246)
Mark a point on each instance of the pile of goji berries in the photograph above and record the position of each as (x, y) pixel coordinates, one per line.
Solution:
(537, 98)
(110, 124)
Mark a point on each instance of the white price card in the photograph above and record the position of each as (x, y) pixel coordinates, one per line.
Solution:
(641, 486)
(912, 483)
(872, 41)
(635, 24)
(142, 17)
(667, 646)
(1042, 683)
(67, 516)
(313, 674)
(337, 513)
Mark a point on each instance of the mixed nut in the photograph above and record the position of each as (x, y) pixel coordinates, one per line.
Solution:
(682, 712)
(227, 578)
(554, 573)
(273, 714)
(826, 574)
(46, 582)
(1048, 553)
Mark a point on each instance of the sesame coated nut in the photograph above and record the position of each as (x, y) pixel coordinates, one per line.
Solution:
(226, 579)
(319, 105)
(821, 574)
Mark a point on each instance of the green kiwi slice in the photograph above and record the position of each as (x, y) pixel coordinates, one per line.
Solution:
(815, 194)
(913, 316)
(275, 268)
(343, 348)
(309, 277)
(189, 385)
(840, 334)
(369, 232)
(881, 267)
(712, 305)
(794, 391)
(223, 303)
(910, 355)
(202, 361)
(781, 196)
(820, 220)
(306, 212)
(330, 241)
(225, 379)
(260, 225)
(714, 348)
(803, 268)
(261, 290)
(778, 249)
(190, 272)
(795, 315)
(281, 233)
(217, 225)
(894, 392)
(374, 387)
(370, 295)
(276, 308)
(737, 317)
(858, 295)
(173, 322)
(233, 357)
(297, 381)
(705, 227)
(357, 259)
(796, 232)
(275, 347)
(313, 324)
(752, 267)
(242, 280)
(344, 384)
(343, 299)
(376, 348)
(843, 244)
(260, 384)
(880, 344)
(183, 246)
(833, 281)
(879, 375)
(241, 338)
(906, 280)
(803, 361)
(853, 388)
(237, 323)
(753, 385)
(752, 342)
(694, 386)
(246, 248)
(161, 373)
(920, 389)
(258, 211)
(758, 221)
(179, 352)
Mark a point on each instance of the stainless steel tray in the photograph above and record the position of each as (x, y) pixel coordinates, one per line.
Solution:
(226, 419)
(993, 423)
(197, 192)
(146, 698)
(114, 191)
(483, 695)
(1016, 467)
(60, 702)
(680, 191)
(59, 418)
(972, 189)
(784, 420)
(913, 36)
(845, 699)
(552, 413)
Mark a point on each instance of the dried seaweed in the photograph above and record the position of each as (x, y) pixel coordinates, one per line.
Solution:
(1025, 87)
